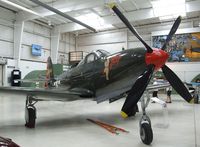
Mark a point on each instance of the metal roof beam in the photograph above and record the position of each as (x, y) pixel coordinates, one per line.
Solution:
(62, 6)
(63, 14)
(138, 15)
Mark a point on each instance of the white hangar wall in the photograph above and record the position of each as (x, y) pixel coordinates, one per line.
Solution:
(33, 33)
(185, 71)
(67, 44)
(41, 35)
(6, 35)
(38, 34)
(113, 41)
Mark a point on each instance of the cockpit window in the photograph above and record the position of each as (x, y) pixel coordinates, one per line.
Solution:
(102, 53)
(94, 56)
(81, 62)
(90, 58)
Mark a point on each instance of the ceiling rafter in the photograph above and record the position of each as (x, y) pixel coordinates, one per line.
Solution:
(134, 16)
(140, 14)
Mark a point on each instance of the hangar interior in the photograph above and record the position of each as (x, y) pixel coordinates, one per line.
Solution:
(26, 25)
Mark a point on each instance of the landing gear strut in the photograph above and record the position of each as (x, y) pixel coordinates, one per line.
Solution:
(30, 111)
(146, 133)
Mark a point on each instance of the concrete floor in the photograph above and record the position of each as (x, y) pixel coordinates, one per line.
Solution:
(65, 124)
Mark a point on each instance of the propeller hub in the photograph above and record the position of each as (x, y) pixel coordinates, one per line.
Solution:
(158, 58)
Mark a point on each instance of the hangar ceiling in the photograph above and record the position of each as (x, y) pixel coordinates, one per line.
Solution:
(139, 12)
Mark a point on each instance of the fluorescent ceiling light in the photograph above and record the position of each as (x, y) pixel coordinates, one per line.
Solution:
(94, 20)
(167, 9)
(113, 1)
(20, 7)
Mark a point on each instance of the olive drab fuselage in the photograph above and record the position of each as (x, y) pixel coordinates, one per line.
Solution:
(108, 75)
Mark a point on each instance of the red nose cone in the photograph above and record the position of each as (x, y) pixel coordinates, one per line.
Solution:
(158, 58)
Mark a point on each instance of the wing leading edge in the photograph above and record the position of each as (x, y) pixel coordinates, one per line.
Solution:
(119, 93)
(61, 94)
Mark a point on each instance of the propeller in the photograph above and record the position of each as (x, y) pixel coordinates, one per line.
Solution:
(131, 28)
(172, 32)
(137, 91)
(155, 59)
(177, 84)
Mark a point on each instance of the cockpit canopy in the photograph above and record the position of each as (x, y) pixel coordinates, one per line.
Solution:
(95, 55)
(102, 53)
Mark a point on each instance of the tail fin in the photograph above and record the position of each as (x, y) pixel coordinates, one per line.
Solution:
(49, 74)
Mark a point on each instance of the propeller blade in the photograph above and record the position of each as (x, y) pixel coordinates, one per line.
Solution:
(172, 32)
(131, 28)
(136, 91)
(177, 84)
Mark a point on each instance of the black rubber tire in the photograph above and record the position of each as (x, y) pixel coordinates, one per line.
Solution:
(145, 118)
(31, 116)
(146, 133)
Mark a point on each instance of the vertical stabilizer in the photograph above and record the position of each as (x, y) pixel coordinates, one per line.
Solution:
(49, 74)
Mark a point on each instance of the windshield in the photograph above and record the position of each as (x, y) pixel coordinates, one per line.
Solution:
(102, 53)
(81, 62)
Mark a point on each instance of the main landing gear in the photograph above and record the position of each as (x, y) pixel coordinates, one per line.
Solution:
(146, 133)
(30, 111)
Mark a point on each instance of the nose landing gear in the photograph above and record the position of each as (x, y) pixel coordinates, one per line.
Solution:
(146, 132)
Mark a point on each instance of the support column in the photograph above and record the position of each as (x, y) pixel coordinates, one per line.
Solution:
(18, 34)
(55, 38)
(126, 46)
(76, 41)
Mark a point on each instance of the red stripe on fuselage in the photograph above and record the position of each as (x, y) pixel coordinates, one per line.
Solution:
(114, 61)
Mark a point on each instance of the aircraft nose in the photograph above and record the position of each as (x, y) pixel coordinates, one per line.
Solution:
(158, 58)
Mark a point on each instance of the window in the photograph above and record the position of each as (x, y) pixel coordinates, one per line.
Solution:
(102, 53)
(90, 58)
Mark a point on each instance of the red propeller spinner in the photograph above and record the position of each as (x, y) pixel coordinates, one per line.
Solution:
(158, 58)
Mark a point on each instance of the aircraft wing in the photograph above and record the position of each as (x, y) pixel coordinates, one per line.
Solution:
(60, 94)
(115, 95)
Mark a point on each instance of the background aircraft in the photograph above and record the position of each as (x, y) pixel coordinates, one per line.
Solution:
(102, 76)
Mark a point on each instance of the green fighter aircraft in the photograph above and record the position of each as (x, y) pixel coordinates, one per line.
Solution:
(102, 76)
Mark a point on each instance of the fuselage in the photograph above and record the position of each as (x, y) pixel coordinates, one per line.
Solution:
(107, 76)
